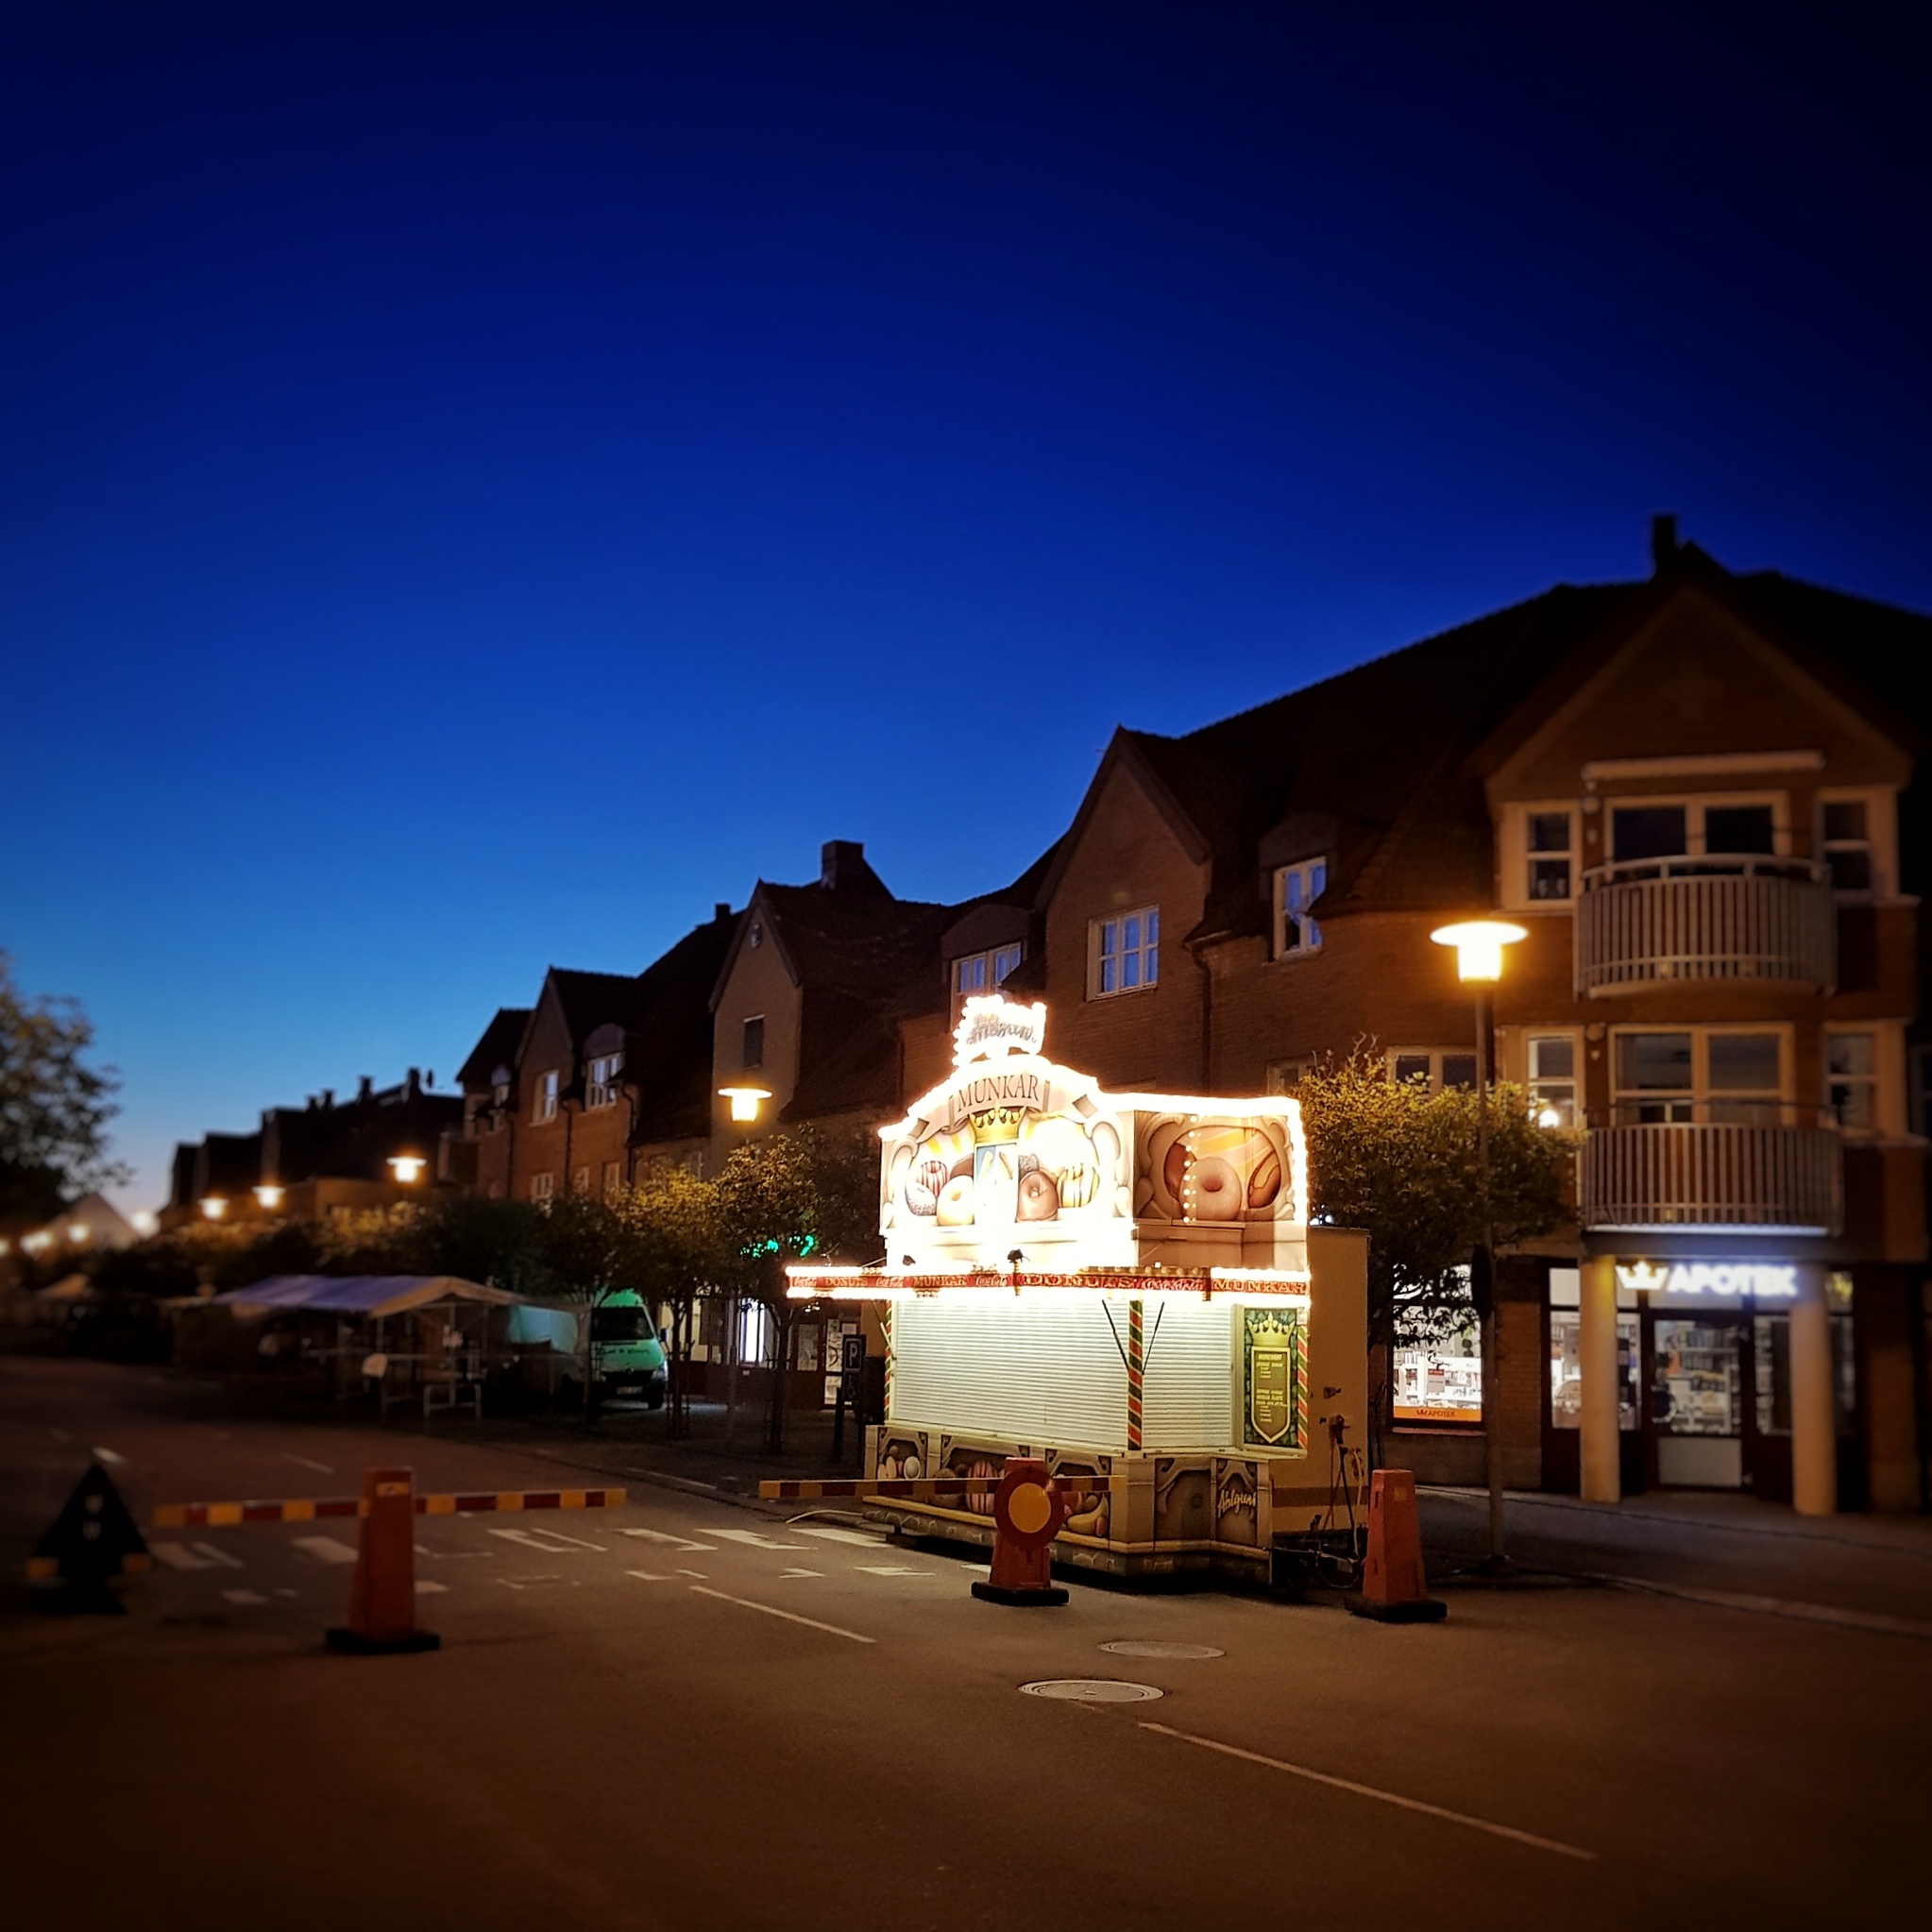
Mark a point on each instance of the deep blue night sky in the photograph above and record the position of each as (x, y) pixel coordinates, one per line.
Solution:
(479, 485)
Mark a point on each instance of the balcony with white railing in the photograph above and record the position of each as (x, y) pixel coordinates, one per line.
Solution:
(1665, 922)
(1775, 1176)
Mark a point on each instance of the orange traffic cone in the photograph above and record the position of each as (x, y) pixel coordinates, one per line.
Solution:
(1027, 1511)
(381, 1597)
(1394, 1588)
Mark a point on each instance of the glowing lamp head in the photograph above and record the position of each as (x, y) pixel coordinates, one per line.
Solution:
(744, 1100)
(269, 1196)
(143, 1222)
(213, 1206)
(407, 1168)
(1549, 1118)
(1478, 944)
(76, 1234)
(37, 1243)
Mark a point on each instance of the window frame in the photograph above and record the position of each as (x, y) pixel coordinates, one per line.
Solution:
(991, 976)
(1880, 842)
(1531, 1080)
(1435, 1057)
(600, 1080)
(542, 1189)
(1146, 953)
(1695, 805)
(1701, 1097)
(1312, 873)
(548, 1086)
(1531, 858)
(750, 1059)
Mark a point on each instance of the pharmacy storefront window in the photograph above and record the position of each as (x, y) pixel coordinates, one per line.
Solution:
(1565, 1355)
(1437, 1360)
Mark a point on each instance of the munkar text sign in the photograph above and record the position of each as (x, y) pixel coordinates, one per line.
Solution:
(1013, 1152)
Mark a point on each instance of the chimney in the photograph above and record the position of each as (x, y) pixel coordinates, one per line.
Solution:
(311, 1103)
(365, 1087)
(1663, 542)
(429, 1077)
(412, 1083)
(720, 909)
(841, 862)
(329, 1097)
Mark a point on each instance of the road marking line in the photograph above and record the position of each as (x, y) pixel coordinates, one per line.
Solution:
(288, 1593)
(179, 1556)
(322, 1468)
(694, 1572)
(529, 1583)
(218, 1558)
(891, 1569)
(1793, 1608)
(106, 1456)
(242, 1597)
(674, 1542)
(801, 1573)
(59, 1435)
(754, 1539)
(832, 1535)
(553, 1543)
(424, 1588)
(326, 1548)
(789, 1616)
(651, 1576)
(1315, 1777)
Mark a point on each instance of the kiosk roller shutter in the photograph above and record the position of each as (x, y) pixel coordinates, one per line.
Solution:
(1037, 1372)
(1187, 1395)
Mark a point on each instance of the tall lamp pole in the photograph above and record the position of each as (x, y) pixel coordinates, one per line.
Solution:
(1478, 944)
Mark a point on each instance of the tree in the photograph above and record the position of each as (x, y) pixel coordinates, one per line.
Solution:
(54, 1108)
(1401, 1162)
(677, 1253)
(784, 1198)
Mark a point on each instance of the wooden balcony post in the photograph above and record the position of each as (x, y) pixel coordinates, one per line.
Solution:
(1602, 1477)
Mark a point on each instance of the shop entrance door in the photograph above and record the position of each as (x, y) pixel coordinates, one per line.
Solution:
(1698, 1390)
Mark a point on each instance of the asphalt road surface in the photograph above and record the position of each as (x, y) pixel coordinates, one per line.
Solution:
(688, 1714)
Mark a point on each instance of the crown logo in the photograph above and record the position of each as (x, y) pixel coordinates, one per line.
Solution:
(996, 1126)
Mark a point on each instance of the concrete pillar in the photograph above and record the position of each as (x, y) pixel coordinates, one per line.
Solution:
(1602, 1470)
(1814, 1421)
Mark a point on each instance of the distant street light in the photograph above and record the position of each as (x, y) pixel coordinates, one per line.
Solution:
(76, 1234)
(269, 1196)
(214, 1206)
(143, 1222)
(407, 1167)
(1479, 945)
(744, 1100)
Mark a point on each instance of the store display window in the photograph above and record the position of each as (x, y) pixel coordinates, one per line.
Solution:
(1565, 1370)
(1437, 1361)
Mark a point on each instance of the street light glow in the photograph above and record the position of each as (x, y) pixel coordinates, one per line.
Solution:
(214, 1206)
(744, 1100)
(269, 1196)
(407, 1167)
(1478, 944)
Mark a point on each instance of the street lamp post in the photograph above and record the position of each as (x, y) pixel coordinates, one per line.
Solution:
(1478, 944)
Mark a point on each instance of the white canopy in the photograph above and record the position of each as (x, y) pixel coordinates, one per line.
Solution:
(370, 1295)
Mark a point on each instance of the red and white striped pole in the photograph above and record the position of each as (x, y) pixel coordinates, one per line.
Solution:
(1136, 1375)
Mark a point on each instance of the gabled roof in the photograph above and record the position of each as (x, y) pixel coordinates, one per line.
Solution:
(496, 1048)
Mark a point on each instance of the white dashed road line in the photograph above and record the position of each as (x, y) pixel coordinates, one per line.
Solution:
(753, 1539)
(891, 1569)
(326, 1548)
(670, 1541)
(424, 1588)
(108, 1456)
(242, 1597)
(826, 1533)
(783, 1573)
(215, 1557)
(789, 1616)
(549, 1542)
(303, 1462)
(1315, 1777)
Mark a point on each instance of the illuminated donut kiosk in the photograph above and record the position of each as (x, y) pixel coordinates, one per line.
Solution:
(1124, 1284)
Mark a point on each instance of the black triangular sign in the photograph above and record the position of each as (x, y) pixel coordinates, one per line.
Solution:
(94, 1535)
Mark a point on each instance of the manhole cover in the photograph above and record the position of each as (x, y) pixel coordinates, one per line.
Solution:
(1152, 1647)
(1092, 1689)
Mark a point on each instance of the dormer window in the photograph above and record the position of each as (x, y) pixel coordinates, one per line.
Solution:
(1296, 887)
(981, 971)
(547, 1097)
(753, 1053)
(601, 1089)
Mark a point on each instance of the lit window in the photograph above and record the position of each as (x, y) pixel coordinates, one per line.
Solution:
(753, 1042)
(1852, 1080)
(547, 1097)
(1296, 887)
(580, 1181)
(1437, 1357)
(1548, 837)
(602, 1085)
(1126, 952)
(977, 972)
(1848, 844)
(1552, 1079)
(542, 1186)
(1434, 1067)
(613, 1178)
